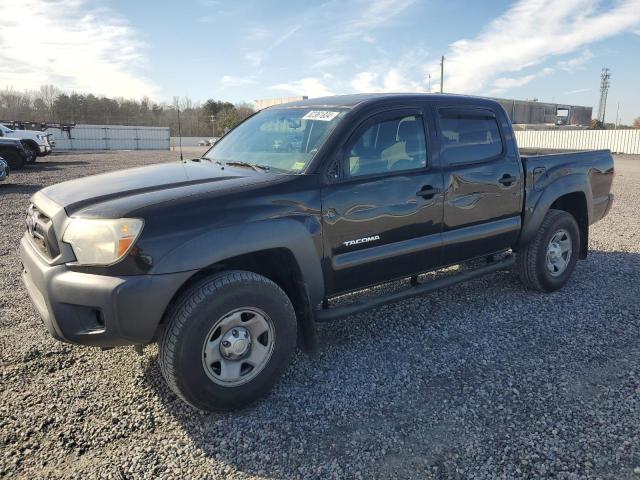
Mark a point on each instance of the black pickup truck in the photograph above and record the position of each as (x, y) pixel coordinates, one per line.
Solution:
(228, 260)
(13, 152)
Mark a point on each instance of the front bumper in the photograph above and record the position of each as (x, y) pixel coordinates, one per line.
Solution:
(44, 149)
(97, 310)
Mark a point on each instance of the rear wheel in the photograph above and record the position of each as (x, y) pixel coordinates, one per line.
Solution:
(227, 340)
(13, 159)
(547, 262)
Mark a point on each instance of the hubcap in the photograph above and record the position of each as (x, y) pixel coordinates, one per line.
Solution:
(235, 343)
(238, 346)
(559, 253)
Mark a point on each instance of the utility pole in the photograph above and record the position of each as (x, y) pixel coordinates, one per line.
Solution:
(617, 117)
(605, 78)
(442, 74)
(213, 123)
(429, 83)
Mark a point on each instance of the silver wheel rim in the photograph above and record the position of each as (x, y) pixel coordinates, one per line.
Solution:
(559, 253)
(238, 346)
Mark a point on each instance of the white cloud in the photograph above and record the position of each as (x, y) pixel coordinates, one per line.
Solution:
(407, 74)
(374, 14)
(236, 81)
(273, 39)
(529, 33)
(576, 62)
(311, 86)
(579, 90)
(73, 46)
(392, 81)
(504, 83)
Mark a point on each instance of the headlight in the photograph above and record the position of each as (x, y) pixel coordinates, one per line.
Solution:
(101, 242)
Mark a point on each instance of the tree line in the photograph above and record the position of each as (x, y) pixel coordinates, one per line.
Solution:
(52, 105)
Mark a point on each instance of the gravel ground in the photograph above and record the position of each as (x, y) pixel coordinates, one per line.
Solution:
(481, 380)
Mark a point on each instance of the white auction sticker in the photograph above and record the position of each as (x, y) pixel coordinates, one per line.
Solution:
(322, 115)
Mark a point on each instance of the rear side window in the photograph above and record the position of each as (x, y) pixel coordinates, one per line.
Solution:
(469, 138)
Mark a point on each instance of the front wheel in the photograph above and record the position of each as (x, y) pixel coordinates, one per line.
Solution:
(32, 152)
(227, 340)
(546, 263)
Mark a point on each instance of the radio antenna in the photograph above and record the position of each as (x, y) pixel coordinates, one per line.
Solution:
(179, 133)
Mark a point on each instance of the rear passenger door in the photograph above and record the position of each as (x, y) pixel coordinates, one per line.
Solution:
(482, 181)
(382, 217)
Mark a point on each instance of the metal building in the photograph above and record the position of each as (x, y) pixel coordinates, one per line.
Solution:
(110, 137)
(534, 112)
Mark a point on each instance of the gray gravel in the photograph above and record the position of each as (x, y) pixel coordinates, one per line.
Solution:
(482, 380)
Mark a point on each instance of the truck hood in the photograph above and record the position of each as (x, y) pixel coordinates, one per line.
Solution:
(24, 134)
(9, 141)
(111, 195)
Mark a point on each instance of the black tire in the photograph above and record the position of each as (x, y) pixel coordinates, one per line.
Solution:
(531, 261)
(32, 152)
(13, 159)
(190, 321)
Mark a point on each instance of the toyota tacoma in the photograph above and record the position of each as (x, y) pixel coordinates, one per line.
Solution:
(229, 260)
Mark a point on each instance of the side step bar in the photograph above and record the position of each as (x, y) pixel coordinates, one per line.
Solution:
(327, 314)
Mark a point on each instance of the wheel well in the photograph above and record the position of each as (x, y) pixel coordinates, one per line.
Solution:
(278, 265)
(30, 142)
(576, 204)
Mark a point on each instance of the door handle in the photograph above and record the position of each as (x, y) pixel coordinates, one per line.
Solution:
(427, 191)
(507, 179)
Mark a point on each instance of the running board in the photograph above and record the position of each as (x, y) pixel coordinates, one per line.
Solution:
(327, 314)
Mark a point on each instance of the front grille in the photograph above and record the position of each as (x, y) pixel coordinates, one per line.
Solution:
(40, 229)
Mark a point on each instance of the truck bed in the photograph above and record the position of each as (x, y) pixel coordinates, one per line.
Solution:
(585, 174)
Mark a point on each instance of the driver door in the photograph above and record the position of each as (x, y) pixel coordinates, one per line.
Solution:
(383, 218)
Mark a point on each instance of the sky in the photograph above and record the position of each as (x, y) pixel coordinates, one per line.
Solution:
(239, 51)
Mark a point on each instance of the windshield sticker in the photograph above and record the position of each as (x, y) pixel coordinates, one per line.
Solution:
(322, 115)
(298, 166)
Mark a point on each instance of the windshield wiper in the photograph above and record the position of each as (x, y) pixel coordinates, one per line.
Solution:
(257, 167)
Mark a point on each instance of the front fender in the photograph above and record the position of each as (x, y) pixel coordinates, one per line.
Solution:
(300, 235)
(540, 197)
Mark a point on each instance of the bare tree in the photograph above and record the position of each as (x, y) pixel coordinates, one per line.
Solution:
(49, 94)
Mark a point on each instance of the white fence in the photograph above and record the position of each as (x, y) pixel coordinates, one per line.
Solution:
(618, 141)
(111, 137)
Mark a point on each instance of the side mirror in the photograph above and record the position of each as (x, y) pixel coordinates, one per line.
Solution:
(335, 169)
(294, 123)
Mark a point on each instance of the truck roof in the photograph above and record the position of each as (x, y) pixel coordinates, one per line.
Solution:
(358, 99)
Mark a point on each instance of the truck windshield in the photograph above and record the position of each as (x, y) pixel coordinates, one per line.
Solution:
(283, 139)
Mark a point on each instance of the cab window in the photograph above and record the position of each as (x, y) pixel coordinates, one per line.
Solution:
(390, 145)
(469, 138)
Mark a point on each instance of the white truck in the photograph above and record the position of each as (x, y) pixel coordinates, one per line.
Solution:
(36, 143)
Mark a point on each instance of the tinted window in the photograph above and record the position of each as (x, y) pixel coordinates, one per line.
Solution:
(470, 139)
(388, 146)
